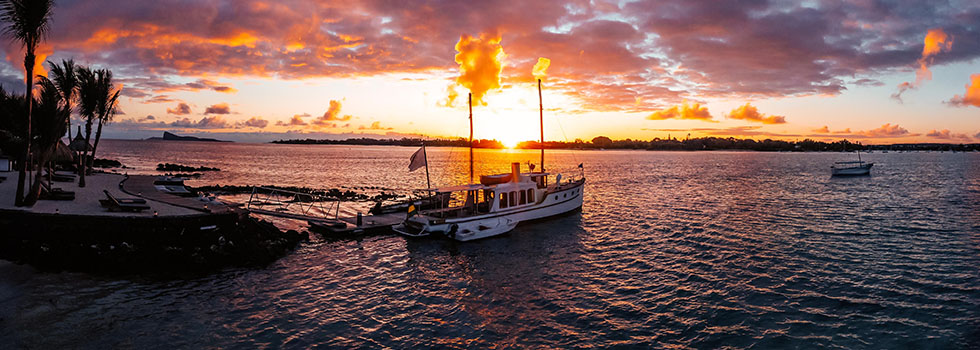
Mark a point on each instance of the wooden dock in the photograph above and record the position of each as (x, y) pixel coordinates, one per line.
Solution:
(342, 226)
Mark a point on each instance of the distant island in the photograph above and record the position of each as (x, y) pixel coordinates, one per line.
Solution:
(174, 137)
(657, 144)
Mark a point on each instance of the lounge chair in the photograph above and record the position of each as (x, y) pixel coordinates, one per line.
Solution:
(55, 176)
(123, 204)
(54, 193)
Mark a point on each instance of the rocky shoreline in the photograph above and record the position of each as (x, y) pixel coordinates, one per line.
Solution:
(155, 245)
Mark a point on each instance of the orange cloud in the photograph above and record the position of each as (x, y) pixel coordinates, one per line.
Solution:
(480, 63)
(684, 111)
(221, 108)
(15, 56)
(750, 113)
(332, 114)
(374, 126)
(296, 120)
(540, 69)
(181, 109)
(972, 95)
(451, 96)
(887, 130)
(823, 130)
(936, 41)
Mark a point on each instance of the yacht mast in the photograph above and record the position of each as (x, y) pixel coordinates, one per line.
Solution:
(541, 109)
(471, 136)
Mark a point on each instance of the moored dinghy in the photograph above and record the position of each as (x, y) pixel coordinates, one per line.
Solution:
(851, 168)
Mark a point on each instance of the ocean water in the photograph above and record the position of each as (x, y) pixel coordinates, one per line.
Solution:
(671, 249)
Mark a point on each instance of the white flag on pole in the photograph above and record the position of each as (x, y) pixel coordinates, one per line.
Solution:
(417, 160)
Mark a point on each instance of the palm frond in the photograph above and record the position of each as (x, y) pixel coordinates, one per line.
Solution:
(65, 78)
(28, 21)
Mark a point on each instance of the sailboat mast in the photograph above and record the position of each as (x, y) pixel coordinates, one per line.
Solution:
(541, 110)
(471, 136)
(428, 184)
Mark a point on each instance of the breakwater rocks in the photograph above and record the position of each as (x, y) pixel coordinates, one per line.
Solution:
(330, 194)
(183, 168)
(155, 245)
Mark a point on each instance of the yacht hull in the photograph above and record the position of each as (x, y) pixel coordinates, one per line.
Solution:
(854, 171)
(567, 198)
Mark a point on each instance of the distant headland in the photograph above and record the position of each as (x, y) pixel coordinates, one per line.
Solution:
(174, 137)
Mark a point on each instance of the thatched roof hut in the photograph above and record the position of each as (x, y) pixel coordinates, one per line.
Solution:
(79, 144)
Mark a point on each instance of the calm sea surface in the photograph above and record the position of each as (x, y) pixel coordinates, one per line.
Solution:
(686, 250)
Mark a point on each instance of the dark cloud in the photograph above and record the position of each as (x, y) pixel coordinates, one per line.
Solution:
(945, 134)
(255, 122)
(211, 122)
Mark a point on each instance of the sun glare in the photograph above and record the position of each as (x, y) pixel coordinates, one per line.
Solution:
(509, 142)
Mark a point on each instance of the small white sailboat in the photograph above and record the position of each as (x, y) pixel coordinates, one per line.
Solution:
(851, 168)
(496, 204)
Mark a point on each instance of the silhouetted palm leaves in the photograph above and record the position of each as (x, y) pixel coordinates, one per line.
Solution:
(27, 22)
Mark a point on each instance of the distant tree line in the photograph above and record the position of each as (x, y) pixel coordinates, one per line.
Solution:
(460, 142)
(658, 144)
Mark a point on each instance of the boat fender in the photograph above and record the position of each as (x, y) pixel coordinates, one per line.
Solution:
(452, 231)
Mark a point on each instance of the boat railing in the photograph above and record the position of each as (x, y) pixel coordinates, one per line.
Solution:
(292, 203)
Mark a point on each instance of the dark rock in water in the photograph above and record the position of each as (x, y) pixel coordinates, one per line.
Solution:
(164, 245)
(185, 175)
(106, 163)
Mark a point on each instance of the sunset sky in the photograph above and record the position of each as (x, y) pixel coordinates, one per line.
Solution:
(870, 71)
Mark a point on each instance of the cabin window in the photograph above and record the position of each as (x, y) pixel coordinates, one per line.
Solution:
(513, 198)
(530, 195)
(503, 201)
(523, 196)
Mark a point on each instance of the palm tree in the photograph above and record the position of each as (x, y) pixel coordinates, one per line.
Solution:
(88, 109)
(66, 81)
(106, 107)
(28, 22)
(50, 122)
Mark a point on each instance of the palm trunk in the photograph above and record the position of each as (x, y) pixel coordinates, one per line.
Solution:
(98, 136)
(88, 139)
(35, 191)
(29, 83)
